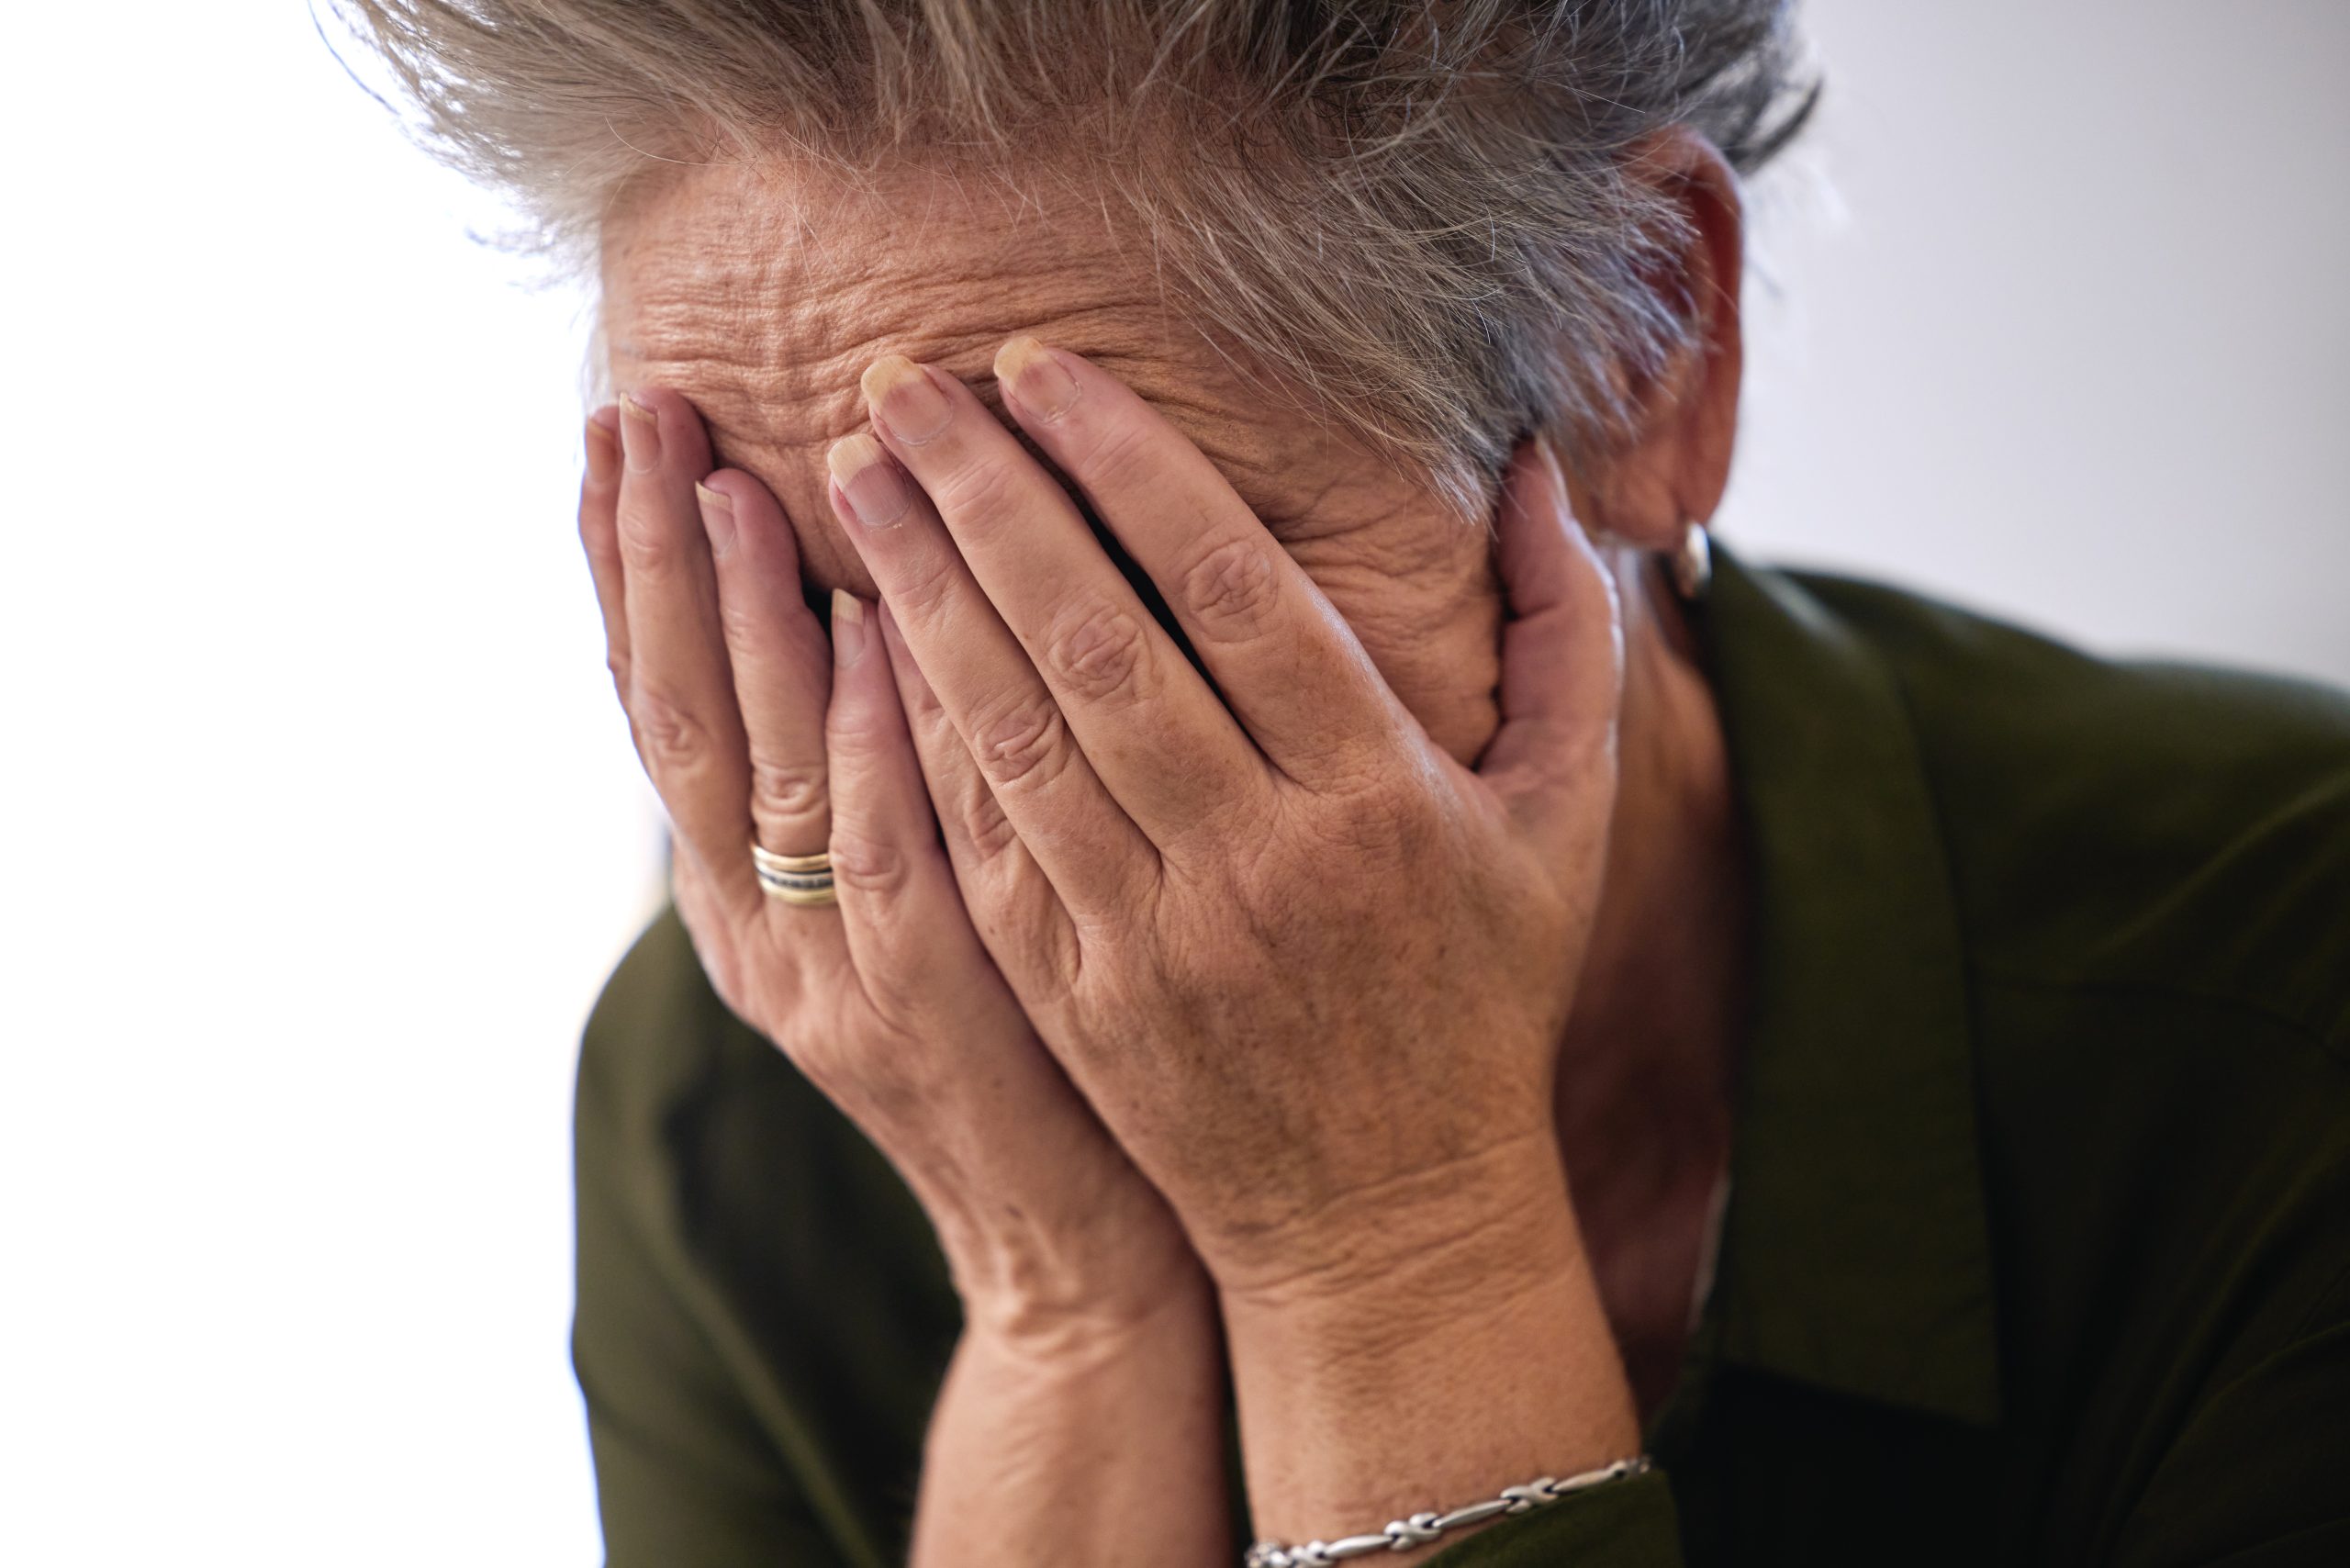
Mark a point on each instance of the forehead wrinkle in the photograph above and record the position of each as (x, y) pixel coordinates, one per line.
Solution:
(794, 329)
(762, 304)
(762, 388)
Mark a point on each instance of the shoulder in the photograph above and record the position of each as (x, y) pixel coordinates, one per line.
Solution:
(2149, 867)
(762, 1319)
(2178, 831)
(748, 1263)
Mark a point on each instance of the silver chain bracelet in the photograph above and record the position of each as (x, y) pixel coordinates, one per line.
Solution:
(1403, 1535)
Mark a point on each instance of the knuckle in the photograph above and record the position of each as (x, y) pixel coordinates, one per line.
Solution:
(988, 831)
(670, 737)
(742, 623)
(1022, 744)
(1232, 590)
(647, 546)
(1100, 651)
(1389, 825)
(868, 865)
(925, 587)
(864, 739)
(1116, 454)
(785, 791)
(599, 528)
(977, 490)
(856, 740)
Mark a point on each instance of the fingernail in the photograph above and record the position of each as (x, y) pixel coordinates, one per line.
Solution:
(848, 628)
(717, 518)
(905, 398)
(640, 433)
(1038, 382)
(865, 475)
(603, 454)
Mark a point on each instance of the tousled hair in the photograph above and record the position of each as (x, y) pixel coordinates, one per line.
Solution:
(1424, 213)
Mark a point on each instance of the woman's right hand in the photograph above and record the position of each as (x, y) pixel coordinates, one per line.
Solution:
(750, 725)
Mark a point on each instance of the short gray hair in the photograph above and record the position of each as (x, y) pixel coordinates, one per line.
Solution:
(1421, 212)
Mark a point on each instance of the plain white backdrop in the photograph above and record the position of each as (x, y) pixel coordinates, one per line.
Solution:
(322, 828)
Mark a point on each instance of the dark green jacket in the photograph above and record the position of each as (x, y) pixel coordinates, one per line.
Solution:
(2038, 1242)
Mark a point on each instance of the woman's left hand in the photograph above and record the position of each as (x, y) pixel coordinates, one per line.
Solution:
(1310, 971)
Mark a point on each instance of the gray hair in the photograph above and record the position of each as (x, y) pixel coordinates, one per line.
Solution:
(1422, 213)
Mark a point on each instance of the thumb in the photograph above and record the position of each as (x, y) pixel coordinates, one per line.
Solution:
(1562, 656)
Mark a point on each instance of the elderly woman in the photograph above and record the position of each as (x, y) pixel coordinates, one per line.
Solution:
(1261, 952)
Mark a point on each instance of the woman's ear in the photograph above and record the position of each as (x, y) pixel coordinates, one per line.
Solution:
(1672, 463)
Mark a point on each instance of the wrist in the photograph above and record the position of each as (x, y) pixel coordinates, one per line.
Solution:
(1082, 1260)
(1463, 1350)
(1084, 1307)
(1418, 1276)
(1066, 1433)
(1492, 1218)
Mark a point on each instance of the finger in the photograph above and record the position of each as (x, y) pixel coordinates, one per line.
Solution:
(1287, 664)
(1007, 898)
(1085, 845)
(897, 898)
(681, 699)
(1562, 653)
(599, 500)
(1154, 730)
(919, 960)
(780, 659)
(970, 820)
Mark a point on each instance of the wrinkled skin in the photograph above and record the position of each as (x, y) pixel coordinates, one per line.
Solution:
(1309, 969)
(1304, 967)
(745, 304)
(762, 296)
(755, 300)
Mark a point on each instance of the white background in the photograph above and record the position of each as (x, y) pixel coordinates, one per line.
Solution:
(321, 828)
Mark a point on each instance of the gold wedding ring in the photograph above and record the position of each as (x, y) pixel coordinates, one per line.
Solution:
(802, 879)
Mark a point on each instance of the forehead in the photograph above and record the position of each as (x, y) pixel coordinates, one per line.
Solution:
(762, 292)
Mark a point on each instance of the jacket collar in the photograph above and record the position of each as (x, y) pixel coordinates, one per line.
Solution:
(1855, 1252)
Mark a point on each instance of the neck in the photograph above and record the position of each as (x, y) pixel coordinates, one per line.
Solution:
(1645, 1070)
